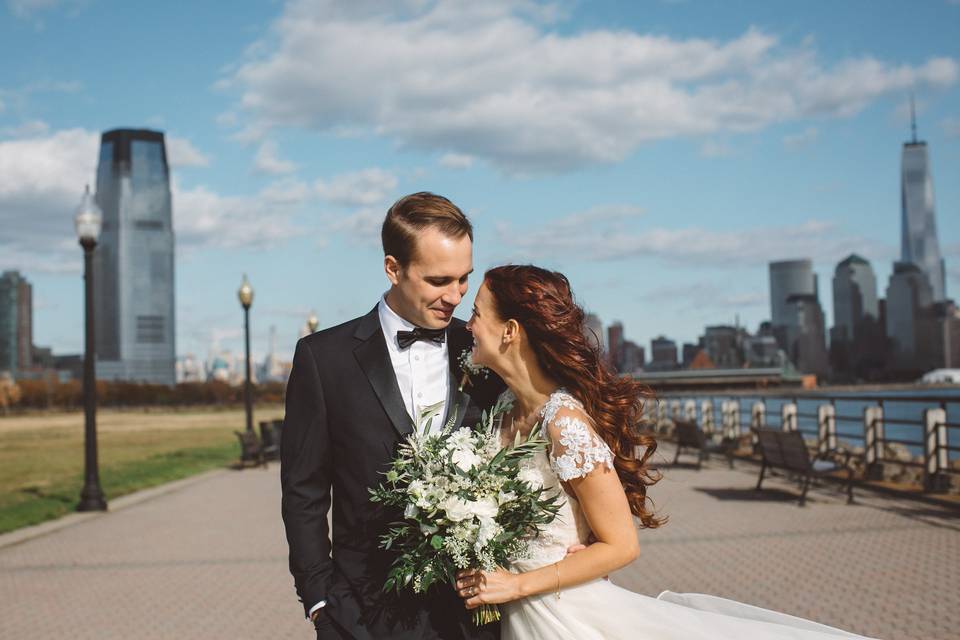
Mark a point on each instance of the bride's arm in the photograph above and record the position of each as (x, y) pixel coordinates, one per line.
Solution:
(589, 473)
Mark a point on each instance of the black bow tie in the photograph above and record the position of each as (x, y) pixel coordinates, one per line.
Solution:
(407, 338)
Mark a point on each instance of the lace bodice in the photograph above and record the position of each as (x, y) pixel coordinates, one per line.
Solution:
(574, 451)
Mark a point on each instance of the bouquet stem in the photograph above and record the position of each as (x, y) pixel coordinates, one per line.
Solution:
(486, 614)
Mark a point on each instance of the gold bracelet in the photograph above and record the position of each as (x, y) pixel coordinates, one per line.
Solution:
(556, 565)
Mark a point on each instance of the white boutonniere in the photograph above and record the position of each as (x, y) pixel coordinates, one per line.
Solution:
(470, 369)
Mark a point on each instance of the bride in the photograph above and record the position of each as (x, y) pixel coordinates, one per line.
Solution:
(527, 328)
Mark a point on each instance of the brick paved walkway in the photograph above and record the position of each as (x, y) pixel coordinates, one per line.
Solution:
(208, 560)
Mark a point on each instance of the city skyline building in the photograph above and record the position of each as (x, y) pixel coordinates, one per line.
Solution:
(134, 260)
(663, 354)
(854, 297)
(593, 331)
(918, 227)
(807, 345)
(909, 300)
(16, 323)
(788, 278)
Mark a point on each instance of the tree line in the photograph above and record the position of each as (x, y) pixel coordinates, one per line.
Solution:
(52, 394)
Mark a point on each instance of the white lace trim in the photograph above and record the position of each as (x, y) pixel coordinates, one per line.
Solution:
(583, 450)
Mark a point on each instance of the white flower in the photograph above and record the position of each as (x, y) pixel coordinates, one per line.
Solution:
(506, 496)
(456, 509)
(466, 459)
(487, 532)
(428, 529)
(411, 511)
(486, 508)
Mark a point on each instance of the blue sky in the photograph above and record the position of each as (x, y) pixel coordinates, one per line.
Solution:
(659, 153)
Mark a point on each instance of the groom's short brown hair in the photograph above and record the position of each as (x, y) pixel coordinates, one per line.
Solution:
(416, 212)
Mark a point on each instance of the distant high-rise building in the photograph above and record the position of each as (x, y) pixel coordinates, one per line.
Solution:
(663, 354)
(909, 303)
(854, 296)
(16, 323)
(722, 344)
(133, 261)
(788, 278)
(615, 344)
(807, 346)
(633, 358)
(918, 227)
(689, 351)
(593, 330)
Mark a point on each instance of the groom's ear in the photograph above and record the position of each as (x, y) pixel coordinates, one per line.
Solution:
(392, 268)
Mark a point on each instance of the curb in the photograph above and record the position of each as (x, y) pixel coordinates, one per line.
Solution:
(24, 534)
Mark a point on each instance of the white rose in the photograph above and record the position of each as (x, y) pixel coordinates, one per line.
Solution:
(456, 509)
(466, 459)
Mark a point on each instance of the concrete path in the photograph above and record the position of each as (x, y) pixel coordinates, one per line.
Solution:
(207, 559)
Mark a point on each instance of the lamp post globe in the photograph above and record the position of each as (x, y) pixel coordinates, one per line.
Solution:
(312, 322)
(245, 294)
(88, 220)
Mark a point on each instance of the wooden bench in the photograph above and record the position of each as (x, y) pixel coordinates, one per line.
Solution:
(270, 439)
(786, 451)
(250, 449)
(690, 436)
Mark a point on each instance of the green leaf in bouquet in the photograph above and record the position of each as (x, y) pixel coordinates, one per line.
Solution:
(436, 542)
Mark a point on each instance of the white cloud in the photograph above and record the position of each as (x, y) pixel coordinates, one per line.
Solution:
(710, 295)
(202, 217)
(28, 129)
(268, 160)
(42, 178)
(693, 246)
(358, 189)
(715, 149)
(456, 161)
(491, 81)
(181, 153)
(805, 138)
(26, 8)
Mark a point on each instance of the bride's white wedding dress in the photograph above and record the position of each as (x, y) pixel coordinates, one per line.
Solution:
(600, 609)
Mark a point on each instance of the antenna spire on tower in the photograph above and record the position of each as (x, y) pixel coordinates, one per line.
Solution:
(913, 119)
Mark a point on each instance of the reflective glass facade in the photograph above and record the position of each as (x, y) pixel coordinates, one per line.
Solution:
(918, 227)
(133, 265)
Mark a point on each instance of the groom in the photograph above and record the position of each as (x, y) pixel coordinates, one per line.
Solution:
(351, 394)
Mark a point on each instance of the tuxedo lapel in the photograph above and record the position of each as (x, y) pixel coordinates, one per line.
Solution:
(374, 359)
(458, 339)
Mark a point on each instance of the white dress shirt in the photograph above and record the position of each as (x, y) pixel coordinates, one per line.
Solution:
(422, 370)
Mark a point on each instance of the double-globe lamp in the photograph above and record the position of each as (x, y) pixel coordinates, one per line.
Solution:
(88, 221)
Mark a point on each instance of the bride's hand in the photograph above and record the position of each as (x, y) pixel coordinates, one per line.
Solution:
(478, 587)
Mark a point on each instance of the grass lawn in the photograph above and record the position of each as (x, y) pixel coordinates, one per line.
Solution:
(41, 456)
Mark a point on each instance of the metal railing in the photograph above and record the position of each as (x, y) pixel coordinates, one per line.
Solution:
(865, 422)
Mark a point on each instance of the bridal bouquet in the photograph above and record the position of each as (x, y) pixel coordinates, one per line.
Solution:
(465, 504)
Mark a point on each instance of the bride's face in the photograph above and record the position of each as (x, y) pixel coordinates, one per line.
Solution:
(487, 329)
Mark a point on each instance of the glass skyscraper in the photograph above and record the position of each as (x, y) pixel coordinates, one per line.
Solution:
(918, 227)
(788, 278)
(854, 296)
(133, 261)
(16, 323)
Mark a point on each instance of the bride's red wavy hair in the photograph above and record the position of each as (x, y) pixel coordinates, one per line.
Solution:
(542, 303)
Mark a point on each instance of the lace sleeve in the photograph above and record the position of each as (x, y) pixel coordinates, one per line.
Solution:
(576, 449)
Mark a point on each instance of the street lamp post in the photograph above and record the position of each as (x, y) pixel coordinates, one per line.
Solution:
(246, 299)
(312, 322)
(88, 220)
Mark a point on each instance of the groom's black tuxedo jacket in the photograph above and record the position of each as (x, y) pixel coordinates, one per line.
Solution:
(344, 419)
